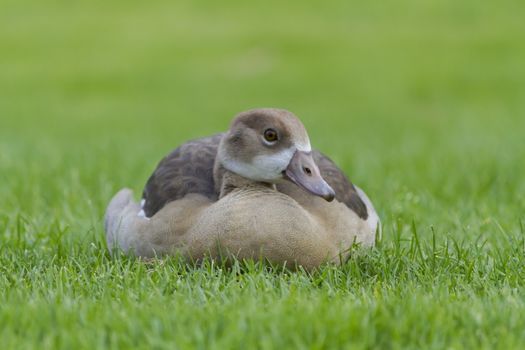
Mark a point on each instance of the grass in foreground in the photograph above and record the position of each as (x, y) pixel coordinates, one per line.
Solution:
(404, 293)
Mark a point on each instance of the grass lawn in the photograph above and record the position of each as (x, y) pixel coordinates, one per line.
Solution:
(422, 103)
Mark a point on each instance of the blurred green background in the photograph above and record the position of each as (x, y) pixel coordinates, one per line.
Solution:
(421, 97)
(399, 93)
(422, 103)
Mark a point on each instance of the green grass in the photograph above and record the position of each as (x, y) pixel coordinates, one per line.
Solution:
(422, 103)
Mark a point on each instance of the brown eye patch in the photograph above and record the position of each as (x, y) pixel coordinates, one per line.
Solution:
(270, 135)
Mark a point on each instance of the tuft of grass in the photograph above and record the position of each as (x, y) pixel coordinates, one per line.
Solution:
(421, 103)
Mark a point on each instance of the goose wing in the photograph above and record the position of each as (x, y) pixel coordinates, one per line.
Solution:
(189, 169)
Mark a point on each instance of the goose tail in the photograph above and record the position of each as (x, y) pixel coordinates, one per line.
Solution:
(119, 221)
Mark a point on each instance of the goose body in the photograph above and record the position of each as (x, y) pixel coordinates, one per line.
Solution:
(246, 195)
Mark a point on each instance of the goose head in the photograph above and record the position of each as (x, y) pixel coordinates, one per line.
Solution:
(272, 146)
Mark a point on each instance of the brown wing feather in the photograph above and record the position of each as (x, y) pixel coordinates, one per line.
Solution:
(189, 169)
(345, 191)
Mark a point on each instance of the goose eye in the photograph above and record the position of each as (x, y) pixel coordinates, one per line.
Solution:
(270, 135)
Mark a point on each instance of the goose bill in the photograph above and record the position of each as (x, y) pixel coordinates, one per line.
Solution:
(303, 171)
